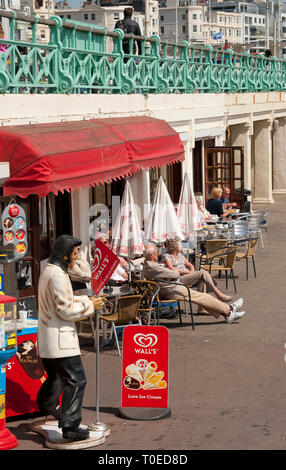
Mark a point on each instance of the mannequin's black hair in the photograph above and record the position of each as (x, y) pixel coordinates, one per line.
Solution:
(63, 246)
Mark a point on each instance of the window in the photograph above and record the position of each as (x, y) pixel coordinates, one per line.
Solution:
(116, 16)
(43, 34)
(93, 16)
(183, 17)
(85, 16)
(162, 30)
(183, 28)
(162, 18)
(194, 16)
(194, 28)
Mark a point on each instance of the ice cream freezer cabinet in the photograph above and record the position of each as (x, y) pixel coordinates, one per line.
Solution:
(24, 373)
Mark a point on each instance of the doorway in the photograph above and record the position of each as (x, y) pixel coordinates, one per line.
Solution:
(225, 166)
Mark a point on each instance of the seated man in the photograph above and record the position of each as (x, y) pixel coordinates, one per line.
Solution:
(154, 270)
(226, 204)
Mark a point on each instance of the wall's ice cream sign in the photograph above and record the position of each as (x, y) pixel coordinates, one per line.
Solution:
(145, 367)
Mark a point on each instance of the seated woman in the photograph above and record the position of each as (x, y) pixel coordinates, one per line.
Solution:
(214, 205)
(204, 214)
(176, 261)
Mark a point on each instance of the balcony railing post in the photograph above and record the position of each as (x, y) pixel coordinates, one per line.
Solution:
(161, 83)
(188, 83)
(64, 81)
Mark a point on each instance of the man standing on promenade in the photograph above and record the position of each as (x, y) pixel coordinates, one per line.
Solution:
(129, 26)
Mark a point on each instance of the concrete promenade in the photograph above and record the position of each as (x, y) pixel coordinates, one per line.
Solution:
(227, 382)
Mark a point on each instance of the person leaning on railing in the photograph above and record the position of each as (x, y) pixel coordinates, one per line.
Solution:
(214, 205)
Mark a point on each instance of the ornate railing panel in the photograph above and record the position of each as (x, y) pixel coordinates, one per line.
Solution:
(85, 58)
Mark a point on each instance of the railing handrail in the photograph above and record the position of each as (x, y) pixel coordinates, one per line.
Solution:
(18, 16)
(85, 63)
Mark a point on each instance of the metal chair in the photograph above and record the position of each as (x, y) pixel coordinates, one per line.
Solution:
(263, 219)
(210, 247)
(88, 322)
(148, 290)
(254, 226)
(249, 254)
(227, 257)
(127, 313)
(175, 302)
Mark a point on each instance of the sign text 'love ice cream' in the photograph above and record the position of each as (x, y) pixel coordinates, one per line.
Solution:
(145, 367)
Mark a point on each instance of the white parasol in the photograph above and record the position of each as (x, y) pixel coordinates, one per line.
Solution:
(187, 211)
(162, 221)
(127, 241)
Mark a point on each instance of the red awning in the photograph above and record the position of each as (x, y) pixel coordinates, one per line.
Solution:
(62, 156)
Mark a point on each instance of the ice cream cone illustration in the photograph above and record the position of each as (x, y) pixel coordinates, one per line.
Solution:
(152, 366)
(142, 366)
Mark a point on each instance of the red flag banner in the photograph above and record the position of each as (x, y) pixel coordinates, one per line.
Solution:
(104, 264)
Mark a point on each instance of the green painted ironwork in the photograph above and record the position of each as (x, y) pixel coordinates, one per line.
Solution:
(86, 58)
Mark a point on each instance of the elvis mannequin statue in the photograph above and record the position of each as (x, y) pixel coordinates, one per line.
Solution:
(58, 343)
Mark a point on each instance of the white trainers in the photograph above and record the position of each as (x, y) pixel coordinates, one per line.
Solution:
(237, 304)
(234, 316)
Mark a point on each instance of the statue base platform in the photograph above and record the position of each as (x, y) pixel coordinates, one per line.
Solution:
(54, 438)
(144, 414)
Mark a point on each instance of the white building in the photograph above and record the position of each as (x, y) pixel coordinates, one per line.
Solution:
(107, 16)
(43, 9)
(181, 22)
(229, 24)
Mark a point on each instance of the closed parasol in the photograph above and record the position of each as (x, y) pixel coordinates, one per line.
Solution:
(127, 241)
(187, 211)
(162, 221)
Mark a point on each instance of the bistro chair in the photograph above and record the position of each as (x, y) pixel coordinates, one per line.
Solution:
(160, 302)
(126, 314)
(227, 258)
(209, 248)
(249, 254)
(254, 226)
(89, 323)
(148, 290)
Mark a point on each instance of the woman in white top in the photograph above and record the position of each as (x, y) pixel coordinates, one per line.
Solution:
(175, 260)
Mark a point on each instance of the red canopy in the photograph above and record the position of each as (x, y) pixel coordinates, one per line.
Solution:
(69, 155)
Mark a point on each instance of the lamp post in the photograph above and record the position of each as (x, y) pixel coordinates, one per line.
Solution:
(267, 24)
(147, 18)
(176, 15)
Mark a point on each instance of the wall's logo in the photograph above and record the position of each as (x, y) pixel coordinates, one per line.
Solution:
(145, 341)
(97, 259)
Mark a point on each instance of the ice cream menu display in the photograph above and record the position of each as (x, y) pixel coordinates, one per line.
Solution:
(145, 367)
(14, 228)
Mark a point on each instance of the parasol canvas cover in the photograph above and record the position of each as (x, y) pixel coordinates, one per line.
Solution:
(187, 212)
(162, 222)
(127, 241)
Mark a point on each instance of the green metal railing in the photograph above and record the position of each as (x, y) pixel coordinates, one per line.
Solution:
(85, 58)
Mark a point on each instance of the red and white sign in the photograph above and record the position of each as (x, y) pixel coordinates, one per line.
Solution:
(145, 366)
(104, 264)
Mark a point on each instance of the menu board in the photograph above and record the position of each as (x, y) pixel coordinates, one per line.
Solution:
(14, 228)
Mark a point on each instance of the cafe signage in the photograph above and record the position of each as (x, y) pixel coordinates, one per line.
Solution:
(104, 264)
(145, 378)
(14, 228)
